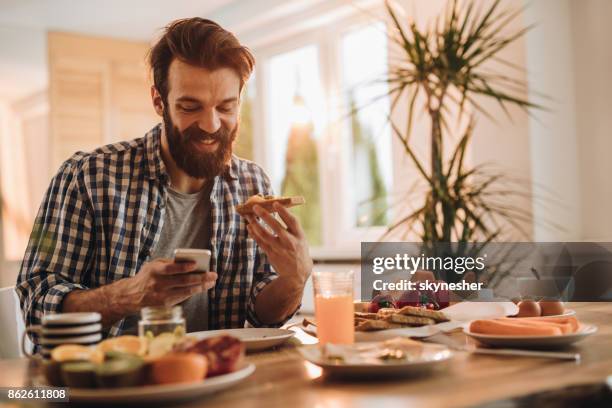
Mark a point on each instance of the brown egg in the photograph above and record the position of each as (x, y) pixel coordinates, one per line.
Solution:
(179, 368)
(529, 308)
(551, 307)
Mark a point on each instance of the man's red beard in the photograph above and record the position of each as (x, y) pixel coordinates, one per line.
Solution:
(197, 164)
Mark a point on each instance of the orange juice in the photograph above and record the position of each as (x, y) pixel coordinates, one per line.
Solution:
(334, 316)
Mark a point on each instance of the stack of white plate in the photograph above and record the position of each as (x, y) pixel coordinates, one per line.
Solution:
(69, 328)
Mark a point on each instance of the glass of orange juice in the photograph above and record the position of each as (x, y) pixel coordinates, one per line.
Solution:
(334, 311)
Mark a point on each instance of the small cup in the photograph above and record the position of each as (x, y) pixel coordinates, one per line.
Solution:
(63, 328)
(334, 310)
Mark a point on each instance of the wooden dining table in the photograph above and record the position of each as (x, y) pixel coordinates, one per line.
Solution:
(283, 378)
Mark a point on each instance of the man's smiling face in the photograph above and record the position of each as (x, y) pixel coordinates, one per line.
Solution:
(201, 117)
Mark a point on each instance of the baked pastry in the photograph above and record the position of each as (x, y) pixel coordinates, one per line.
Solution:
(372, 325)
(266, 202)
(409, 320)
(362, 315)
(419, 311)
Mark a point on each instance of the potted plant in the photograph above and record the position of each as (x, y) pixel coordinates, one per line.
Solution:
(442, 71)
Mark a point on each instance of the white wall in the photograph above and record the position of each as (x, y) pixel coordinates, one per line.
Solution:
(555, 168)
(591, 35)
(570, 60)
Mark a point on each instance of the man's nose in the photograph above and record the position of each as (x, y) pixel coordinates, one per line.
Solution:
(209, 121)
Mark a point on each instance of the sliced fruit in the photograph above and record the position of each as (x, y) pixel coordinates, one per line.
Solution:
(80, 374)
(120, 372)
(179, 368)
(75, 352)
(125, 344)
(162, 344)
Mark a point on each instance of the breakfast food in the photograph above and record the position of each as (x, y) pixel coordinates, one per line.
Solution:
(551, 307)
(408, 320)
(361, 315)
(525, 327)
(531, 308)
(267, 202)
(120, 371)
(79, 374)
(124, 344)
(361, 307)
(418, 311)
(385, 311)
(224, 353)
(391, 351)
(425, 299)
(381, 302)
(391, 318)
(128, 361)
(373, 325)
(75, 352)
(179, 368)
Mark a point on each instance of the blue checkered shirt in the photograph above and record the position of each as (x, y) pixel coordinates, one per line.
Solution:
(102, 216)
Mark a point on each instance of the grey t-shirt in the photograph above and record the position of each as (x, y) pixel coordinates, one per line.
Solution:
(187, 224)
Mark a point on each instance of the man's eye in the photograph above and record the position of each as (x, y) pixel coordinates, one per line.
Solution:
(189, 108)
(225, 109)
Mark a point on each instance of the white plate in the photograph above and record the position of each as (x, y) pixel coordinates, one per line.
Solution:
(88, 329)
(533, 341)
(87, 339)
(71, 318)
(161, 393)
(433, 356)
(254, 338)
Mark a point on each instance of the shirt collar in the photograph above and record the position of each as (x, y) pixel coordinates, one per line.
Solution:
(157, 168)
(155, 164)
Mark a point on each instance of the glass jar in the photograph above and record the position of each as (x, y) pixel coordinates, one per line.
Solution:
(156, 320)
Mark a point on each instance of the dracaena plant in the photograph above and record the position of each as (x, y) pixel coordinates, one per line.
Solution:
(445, 71)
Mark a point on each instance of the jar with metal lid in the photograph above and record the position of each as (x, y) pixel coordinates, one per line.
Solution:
(156, 320)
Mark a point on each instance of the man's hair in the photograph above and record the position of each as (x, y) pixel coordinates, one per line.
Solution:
(200, 42)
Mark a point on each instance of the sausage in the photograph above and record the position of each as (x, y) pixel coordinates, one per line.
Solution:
(499, 327)
(572, 321)
(566, 328)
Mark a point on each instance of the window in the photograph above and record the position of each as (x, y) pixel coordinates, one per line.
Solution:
(340, 162)
(295, 117)
(364, 63)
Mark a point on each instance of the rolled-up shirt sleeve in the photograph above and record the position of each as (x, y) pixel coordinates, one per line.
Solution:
(60, 249)
(264, 274)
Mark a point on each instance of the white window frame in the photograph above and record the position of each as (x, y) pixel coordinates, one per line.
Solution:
(341, 241)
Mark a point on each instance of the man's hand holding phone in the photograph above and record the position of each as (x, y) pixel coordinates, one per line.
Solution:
(165, 282)
(162, 282)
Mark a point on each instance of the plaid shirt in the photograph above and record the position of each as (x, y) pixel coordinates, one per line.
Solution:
(103, 214)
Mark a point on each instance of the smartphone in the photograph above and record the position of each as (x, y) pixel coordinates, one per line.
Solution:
(200, 256)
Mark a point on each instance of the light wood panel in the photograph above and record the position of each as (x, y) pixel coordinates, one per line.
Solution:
(99, 92)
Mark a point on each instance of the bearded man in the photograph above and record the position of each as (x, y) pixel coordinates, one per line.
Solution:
(111, 219)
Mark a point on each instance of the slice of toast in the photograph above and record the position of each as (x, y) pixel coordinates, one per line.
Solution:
(267, 202)
(419, 311)
(409, 320)
(362, 315)
(372, 325)
(385, 311)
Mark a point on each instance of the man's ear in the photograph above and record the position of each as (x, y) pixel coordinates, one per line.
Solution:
(156, 98)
